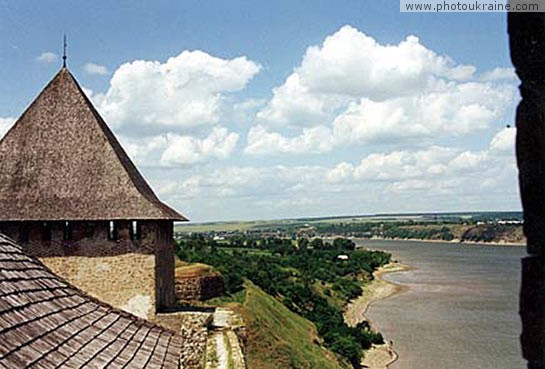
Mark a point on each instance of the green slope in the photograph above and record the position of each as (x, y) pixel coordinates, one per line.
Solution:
(279, 338)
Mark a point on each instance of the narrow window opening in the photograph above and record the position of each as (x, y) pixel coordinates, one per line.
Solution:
(112, 231)
(67, 231)
(135, 230)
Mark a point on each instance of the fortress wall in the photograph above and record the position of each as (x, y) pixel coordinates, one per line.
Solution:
(129, 265)
(124, 281)
(199, 288)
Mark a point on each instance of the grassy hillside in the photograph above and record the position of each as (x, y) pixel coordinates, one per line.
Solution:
(279, 338)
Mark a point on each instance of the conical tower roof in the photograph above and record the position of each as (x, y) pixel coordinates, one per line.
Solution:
(60, 161)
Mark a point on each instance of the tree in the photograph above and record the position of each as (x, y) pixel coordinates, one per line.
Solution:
(302, 243)
(317, 244)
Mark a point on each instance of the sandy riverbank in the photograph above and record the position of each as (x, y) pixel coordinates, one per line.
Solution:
(379, 356)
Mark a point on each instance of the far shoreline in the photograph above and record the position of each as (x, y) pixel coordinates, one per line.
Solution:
(360, 240)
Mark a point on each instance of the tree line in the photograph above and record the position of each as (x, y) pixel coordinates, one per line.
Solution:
(310, 277)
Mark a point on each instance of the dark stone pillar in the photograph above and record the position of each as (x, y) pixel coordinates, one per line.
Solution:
(57, 232)
(123, 228)
(527, 43)
(164, 266)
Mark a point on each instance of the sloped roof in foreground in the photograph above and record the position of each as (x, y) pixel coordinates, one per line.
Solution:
(60, 161)
(47, 323)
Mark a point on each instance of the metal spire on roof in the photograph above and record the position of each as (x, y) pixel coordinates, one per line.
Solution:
(64, 52)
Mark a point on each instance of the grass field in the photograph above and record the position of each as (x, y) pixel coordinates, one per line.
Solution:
(279, 338)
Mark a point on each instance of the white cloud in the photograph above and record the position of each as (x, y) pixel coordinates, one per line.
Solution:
(430, 164)
(188, 188)
(340, 172)
(185, 91)
(499, 73)
(251, 181)
(403, 164)
(350, 62)
(504, 141)
(293, 104)
(312, 140)
(145, 151)
(454, 109)
(182, 150)
(92, 68)
(364, 91)
(468, 160)
(5, 125)
(428, 179)
(172, 150)
(410, 185)
(47, 57)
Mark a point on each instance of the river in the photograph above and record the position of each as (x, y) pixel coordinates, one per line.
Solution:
(461, 307)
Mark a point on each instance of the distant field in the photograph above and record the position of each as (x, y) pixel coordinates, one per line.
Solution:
(273, 224)
(302, 222)
(217, 226)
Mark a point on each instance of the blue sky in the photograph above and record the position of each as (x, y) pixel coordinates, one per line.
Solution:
(252, 110)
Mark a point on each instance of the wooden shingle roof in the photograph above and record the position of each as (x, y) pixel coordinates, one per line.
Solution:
(47, 323)
(60, 161)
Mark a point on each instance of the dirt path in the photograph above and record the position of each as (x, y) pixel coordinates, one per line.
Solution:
(223, 348)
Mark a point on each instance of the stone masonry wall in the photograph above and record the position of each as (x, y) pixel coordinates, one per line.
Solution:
(128, 264)
(199, 288)
(124, 281)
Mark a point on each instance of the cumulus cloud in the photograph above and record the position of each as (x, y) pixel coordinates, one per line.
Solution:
(172, 150)
(253, 181)
(352, 63)
(364, 91)
(293, 104)
(312, 140)
(504, 141)
(436, 163)
(145, 151)
(185, 91)
(182, 150)
(5, 125)
(455, 109)
(403, 164)
(430, 179)
(47, 57)
(92, 68)
(499, 73)
(340, 173)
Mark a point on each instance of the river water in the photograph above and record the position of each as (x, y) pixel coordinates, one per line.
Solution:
(461, 307)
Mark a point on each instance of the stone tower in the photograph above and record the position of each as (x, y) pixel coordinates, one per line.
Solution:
(70, 195)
